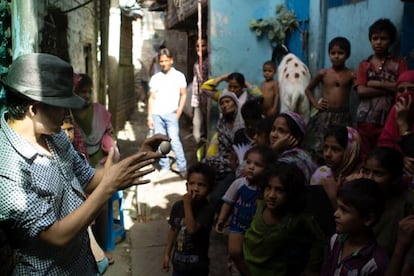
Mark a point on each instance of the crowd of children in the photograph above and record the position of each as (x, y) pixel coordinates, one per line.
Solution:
(267, 163)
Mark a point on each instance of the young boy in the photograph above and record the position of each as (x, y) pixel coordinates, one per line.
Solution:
(191, 220)
(376, 83)
(333, 107)
(354, 250)
(270, 89)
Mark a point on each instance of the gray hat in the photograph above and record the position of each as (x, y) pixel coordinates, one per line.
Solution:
(44, 78)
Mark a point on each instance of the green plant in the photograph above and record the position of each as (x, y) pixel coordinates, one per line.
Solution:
(278, 28)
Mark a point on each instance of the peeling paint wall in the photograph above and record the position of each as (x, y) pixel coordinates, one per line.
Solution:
(233, 46)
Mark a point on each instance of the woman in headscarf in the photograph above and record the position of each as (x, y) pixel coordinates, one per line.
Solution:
(398, 131)
(229, 122)
(286, 139)
(341, 152)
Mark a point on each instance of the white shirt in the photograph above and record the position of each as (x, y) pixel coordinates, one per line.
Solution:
(166, 89)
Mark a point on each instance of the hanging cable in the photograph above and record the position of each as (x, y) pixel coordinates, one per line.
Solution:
(77, 7)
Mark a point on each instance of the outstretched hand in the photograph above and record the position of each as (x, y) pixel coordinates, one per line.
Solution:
(128, 171)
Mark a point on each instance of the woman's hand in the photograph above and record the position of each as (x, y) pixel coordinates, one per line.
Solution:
(402, 107)
(409, 165)
(284, 143)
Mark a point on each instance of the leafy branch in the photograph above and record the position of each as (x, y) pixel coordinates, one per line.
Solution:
(278, 28)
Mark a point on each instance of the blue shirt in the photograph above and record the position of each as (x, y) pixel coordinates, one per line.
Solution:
(37, 190)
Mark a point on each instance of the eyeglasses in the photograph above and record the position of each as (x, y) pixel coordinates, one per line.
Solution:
(402, 89)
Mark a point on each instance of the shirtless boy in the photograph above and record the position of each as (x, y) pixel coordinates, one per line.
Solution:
(270, 89)
(333, 106)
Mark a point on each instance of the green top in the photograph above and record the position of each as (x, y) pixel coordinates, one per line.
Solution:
(289, 247)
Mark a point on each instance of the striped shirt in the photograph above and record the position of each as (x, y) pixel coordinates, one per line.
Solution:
(370, 259)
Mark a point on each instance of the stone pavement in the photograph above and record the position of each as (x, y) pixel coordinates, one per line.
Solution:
(146, 211)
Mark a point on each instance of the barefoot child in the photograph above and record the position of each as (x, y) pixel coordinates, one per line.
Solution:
(333, 107)
(270, 89)
(191, 220)
(240, 200)
(281, 239)
(353, 250)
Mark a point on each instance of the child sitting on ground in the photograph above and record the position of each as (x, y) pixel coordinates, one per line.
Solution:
(270, 89)
(240, 200)
(353, 250)
(282, 240)
(190, 222)
(333, 106)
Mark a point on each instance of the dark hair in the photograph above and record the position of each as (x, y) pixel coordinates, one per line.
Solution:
(208, 172)
(265, 125)
(390, 159)
(238, 77)
(383, 25)
(293, 127)
(293, 180)
(340, 133)
(84, 81)
(270, 63)
(342, 43)
(251, 110)
(165, 52)
(365, 195)
(17, 104)
(266, 152)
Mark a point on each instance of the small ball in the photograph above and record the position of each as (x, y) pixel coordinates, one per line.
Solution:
(165, 147)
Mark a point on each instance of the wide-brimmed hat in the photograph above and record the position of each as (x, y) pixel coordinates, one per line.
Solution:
(44, 78)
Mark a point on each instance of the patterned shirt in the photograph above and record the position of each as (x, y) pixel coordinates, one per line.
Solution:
(374, 110)
(36, 191)
(370, 259)
(242, 197)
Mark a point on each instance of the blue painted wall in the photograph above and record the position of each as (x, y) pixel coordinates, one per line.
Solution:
(351, 21)
(233, 46)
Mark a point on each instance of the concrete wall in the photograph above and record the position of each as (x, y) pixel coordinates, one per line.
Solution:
(233, 46)
(351, 21)
(28, 21)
